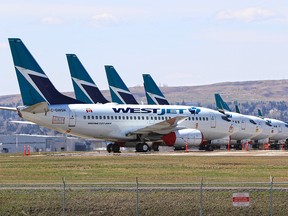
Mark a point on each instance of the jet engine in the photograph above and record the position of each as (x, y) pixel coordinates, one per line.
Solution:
(182, 137)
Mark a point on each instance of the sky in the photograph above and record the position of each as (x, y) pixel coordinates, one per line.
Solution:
(180, 43)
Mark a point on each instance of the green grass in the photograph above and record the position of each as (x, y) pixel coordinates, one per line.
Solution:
(164, 169)
(16, 169)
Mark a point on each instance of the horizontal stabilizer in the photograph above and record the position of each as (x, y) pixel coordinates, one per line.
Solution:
(14, 109)
(23, 122)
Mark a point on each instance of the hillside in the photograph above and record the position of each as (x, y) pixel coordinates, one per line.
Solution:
(270, 96)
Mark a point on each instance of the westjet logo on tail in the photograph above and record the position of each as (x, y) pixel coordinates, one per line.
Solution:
(158, 111)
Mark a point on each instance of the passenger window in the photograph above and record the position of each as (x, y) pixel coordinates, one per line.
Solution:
(131, 117)
(138, 117)
(104, 117)
(127, 117)
(88, 117)
(147, 118)
(200, 119)
(84, 117)
(108, 117)
(96, 117)
(155, 118)
(135, 118)
(143, 118)
(92, 117)
(206, 118)
(112, 117)
(100, 117)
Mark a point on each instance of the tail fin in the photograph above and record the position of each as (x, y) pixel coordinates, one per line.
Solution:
(84, 87)
(153, 93)
(34, 85)
(221, 104)
(237, 109)
(260, 113)
(119, 91)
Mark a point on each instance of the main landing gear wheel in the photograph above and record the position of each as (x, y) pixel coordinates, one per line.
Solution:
(116, 148)
(155, 147)
(109, 148)
(113, 148)
(142, 147)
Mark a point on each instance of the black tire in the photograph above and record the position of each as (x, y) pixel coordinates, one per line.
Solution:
(142, 147)
(115, 148)
(155, 147)
(109, 148)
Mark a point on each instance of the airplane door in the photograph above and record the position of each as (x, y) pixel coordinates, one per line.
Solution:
(213, 121)
(243, 125)
(72, 119)
(279, 128)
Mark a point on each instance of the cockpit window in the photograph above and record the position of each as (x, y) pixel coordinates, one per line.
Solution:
(225, 118)
(252, 121)
(286, 125)
(268, 123)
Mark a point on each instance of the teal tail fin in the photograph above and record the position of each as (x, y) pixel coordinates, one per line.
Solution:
(153, 93)
(119, 91)
(221, 104)
(84, 87)
(34, 85)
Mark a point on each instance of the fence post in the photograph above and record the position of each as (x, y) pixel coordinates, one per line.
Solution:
(137, 200)
(64, 196)
(271, 195)
(201, 196)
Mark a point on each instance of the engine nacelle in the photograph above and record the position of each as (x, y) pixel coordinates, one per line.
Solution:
(182, 137)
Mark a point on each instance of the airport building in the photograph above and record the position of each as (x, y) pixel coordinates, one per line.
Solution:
(42, 143)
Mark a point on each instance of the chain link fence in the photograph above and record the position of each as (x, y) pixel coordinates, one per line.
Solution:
(138, 198)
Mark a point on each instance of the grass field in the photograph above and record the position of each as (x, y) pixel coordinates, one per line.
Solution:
(16, 169)
(148, 168)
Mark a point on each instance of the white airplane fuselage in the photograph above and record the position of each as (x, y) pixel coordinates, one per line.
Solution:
(118, 122)
(247, 128)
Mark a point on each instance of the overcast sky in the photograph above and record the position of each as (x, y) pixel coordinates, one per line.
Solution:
(183, 42)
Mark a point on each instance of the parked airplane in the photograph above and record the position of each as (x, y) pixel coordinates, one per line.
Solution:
(122, 124)
(119, 91)
(247, 127)
(84, 87)
(282, 128)
(263, 129)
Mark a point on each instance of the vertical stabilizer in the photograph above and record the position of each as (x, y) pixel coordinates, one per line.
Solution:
(260, 113)
(221, 104)
(84, 87)
(153, 93)
(34, 85)
(237, 109)
(119, 92)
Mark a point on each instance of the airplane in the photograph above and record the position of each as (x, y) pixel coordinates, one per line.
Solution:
(282, 127)
(262, 131)
(123, 124)
(152, 91)
(119, 91)
(84, 87)
(248, 127)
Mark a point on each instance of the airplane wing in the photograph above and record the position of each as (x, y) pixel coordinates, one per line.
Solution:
(163, 127)
(14, 109)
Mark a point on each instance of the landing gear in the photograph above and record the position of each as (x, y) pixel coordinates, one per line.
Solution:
(142, 147)
(155, 147)
(113, 148)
